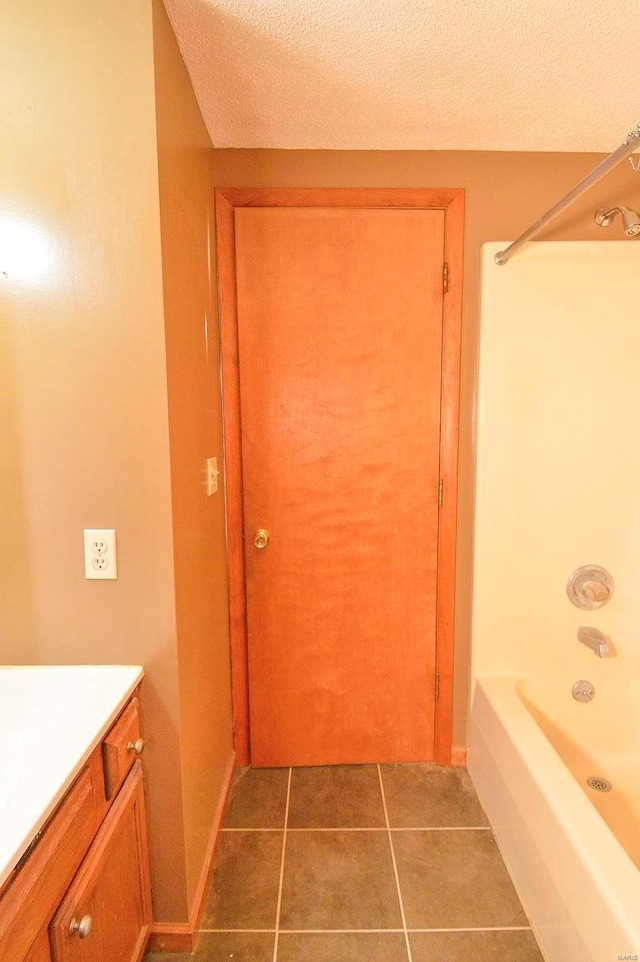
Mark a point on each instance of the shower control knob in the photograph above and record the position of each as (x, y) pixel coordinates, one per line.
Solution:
(596, 591)
(589, 587)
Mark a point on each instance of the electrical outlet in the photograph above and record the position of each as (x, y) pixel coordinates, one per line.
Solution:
(100, 553)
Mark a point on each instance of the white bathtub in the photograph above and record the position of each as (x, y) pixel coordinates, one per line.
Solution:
(577, 883)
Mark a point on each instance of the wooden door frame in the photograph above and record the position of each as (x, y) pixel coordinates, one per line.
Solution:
(452, 202)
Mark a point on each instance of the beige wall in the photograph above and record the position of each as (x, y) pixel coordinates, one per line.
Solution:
(505, 192)
(558, 469)
(186, 172)
(94, 432)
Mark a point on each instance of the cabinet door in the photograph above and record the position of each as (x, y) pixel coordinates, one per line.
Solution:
(39, 951)
(106, 914)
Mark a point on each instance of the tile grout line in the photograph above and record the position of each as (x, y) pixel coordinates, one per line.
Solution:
(284, 849)
(343, 828)
(481, 928)
(476, 928)
(395, 868)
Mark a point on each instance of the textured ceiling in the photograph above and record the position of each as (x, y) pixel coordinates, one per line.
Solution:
(414, 74)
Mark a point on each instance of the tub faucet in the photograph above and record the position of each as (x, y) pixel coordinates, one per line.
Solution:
(594, 639)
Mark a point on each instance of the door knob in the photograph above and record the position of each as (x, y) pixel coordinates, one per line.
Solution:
(261, 538)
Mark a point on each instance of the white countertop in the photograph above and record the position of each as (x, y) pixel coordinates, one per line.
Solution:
(51, 719)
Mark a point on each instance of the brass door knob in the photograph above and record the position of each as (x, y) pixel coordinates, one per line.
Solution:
(136, 746)
(261, 538)
(83, 926)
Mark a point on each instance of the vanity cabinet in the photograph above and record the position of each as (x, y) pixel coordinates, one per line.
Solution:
(106, 912)
(81, 892)
(40, 951)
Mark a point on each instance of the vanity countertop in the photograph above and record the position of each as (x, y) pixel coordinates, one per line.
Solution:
(51, 719)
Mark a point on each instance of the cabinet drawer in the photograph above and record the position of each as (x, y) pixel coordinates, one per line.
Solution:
(120, 746)
(35, 888)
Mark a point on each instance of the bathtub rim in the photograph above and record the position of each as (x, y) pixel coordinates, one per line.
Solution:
(610, 869)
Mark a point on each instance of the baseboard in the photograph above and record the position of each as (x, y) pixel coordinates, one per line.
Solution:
(171, 937)
(198, 902)
(183, 936)
(459, 755)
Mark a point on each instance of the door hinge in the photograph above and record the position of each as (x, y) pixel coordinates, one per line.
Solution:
(437, 686)
(440, 492)
(445, 277)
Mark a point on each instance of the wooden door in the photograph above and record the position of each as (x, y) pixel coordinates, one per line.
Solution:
(340, 344)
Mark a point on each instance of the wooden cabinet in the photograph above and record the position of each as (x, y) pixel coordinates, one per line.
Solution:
(106, 913)
(82, 893)
(40, 951)
(120, 746)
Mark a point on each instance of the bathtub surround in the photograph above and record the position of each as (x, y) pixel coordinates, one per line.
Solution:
(557, 483)
(557, 476)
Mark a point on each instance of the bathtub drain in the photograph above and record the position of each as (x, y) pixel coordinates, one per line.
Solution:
(599, 783)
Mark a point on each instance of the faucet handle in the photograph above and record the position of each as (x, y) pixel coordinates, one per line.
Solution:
(590, 587)
(596, 591)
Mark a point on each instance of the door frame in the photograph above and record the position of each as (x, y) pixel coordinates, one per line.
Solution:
(451, 201)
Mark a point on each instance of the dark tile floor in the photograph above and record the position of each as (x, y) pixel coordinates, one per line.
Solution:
(360, 863)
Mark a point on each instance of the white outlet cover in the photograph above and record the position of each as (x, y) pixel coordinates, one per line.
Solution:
(100, 561)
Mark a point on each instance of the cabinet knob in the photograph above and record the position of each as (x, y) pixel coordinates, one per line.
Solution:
(137, 746)
(82, 926)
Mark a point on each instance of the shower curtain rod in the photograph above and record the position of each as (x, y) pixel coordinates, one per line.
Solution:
(624, 150)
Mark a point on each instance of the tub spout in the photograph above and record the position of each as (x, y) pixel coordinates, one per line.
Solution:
(594, 639)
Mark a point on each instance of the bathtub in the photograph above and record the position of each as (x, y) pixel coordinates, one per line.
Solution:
(578, 884)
